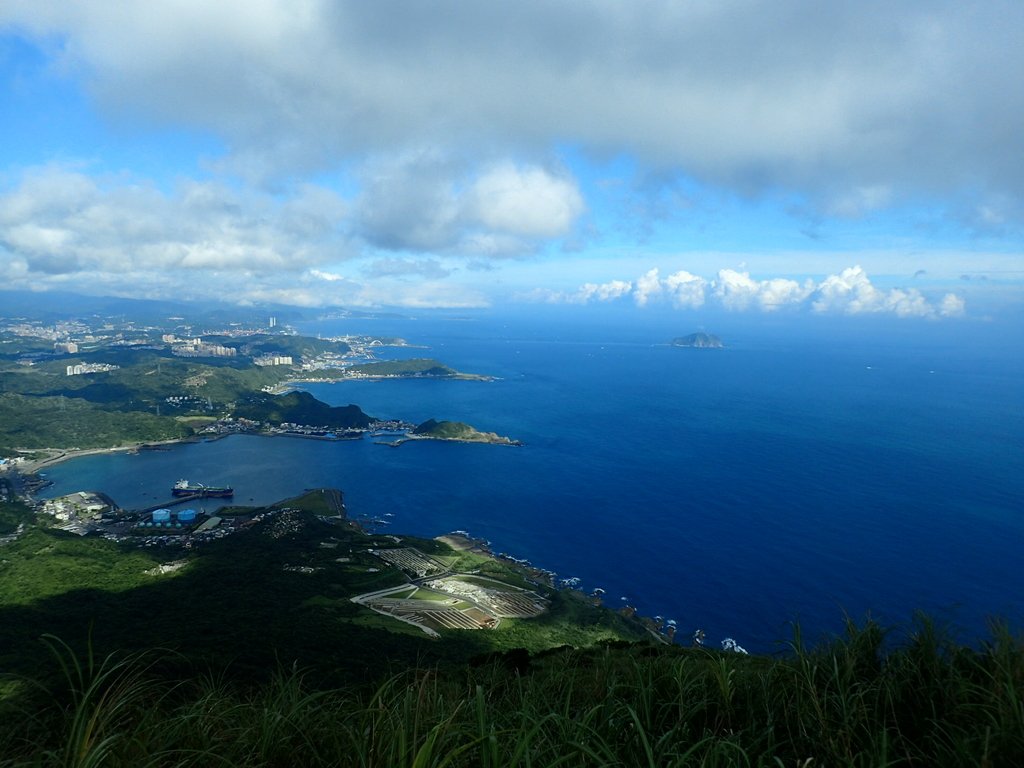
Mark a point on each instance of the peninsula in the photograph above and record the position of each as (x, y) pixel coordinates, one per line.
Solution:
(431, 429)
(111, 383)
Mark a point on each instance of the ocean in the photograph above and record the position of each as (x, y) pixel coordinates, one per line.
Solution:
(811, 470)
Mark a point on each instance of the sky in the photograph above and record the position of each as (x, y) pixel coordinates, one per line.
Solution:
(787, 156)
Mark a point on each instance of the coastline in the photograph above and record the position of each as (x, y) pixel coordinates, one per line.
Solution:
(411, 437)
(62, 454)
(458, 540)
(461, 541)
(290, 384)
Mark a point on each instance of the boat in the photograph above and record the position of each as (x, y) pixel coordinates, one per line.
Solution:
(185, 488)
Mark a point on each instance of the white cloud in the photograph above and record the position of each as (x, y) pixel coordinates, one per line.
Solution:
(648, 286)
(445, 125)
(409, 203)
(603, 292)
(428, 202)
(738, 291)
(952, 306)
(855, 105)
(850, 292)
(686, 289)
(735, 290)
(585, 294)
(780, 292)
(330, 277)
(61, 221)
(529, 202)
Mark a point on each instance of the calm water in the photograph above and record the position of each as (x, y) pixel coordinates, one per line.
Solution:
(797, 474)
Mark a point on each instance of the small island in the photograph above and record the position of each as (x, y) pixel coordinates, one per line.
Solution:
(698, 340)
(457, 431)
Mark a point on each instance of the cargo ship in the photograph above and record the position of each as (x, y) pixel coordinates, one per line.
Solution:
(185, 488)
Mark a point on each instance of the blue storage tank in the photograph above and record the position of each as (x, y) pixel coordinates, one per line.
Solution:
(161, 515)
(187, 516)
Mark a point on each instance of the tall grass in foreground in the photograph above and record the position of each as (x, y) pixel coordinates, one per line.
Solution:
(927, 702)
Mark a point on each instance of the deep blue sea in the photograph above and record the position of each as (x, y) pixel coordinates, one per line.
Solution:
(809, 470)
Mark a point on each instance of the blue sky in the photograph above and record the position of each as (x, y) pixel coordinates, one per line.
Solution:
(790, 156)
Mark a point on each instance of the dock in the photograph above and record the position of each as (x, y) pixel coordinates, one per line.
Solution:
(173, 502)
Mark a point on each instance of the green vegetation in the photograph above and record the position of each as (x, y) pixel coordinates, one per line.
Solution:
(146, 384)
(322, 501)
(300, 408)
(129, 404)
(13, 514)
(445, 430)
(298, 346)
(120, 407)
(12, 346)
(44, 564)
(237, 601)
(179, 669)
(457, 430)
(48, 422)
(414, 367)
(846, 703)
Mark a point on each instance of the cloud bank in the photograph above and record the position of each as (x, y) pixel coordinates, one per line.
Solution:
(851, 292)
(57, 220)
(430, 203)
(61, 221)
(395, 144)
(853, 104)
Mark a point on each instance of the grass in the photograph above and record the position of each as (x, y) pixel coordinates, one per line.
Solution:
(924, 702)
(47, 422)
(431, 596)
(44, 564)
(13, 514)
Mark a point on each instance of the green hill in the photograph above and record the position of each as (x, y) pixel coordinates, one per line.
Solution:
(413, 367)
(65, 422)
(457, 430)
(842, 704)
(251, 652)
(300, 408)
(277, 589)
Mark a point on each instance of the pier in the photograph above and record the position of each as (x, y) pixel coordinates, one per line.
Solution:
(172, 503)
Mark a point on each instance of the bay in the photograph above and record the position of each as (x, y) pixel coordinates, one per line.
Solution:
(803, 472)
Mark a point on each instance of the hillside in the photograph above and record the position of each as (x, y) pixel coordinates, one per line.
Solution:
(300, 408)
(416, 367)
(458, 431)
(66, 422)
(249, 650)
(927, 703)
(277, 587)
